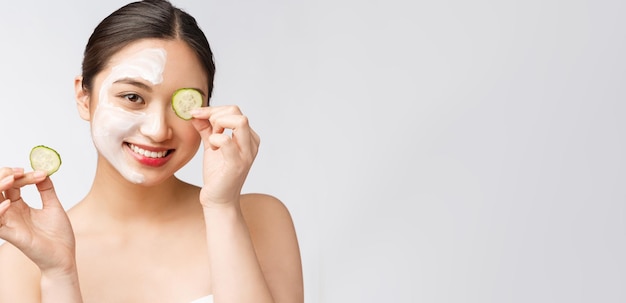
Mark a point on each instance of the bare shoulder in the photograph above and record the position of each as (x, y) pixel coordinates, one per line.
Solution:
(19, 277)
(268, 219)
(276, 245)
(262, 207)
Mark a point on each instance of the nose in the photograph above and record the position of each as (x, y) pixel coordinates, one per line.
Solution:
(155, 126)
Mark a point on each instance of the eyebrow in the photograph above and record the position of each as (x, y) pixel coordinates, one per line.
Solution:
(134, 82)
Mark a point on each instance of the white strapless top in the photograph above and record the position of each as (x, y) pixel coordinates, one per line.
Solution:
(207, 299)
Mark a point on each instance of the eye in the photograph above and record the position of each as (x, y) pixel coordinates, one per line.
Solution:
(133, 98)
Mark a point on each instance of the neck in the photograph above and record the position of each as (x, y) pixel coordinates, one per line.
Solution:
(113, 196)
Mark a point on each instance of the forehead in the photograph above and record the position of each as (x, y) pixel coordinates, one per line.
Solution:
(180, 61)
(131, 50)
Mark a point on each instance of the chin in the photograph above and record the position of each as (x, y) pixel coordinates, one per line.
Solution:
(135, 178)
(150, 179)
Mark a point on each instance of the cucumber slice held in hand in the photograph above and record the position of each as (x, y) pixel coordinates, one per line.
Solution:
(45, 158)
(185, 100)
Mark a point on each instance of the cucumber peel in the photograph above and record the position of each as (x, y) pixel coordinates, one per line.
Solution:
(185, 100)
(45, 158)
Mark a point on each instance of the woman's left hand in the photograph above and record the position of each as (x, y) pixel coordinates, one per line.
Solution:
(227, 157)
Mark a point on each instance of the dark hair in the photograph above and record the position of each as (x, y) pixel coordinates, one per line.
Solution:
(139, 20)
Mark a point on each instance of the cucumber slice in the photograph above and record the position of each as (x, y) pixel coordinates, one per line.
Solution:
(45, 158)
(185, 100)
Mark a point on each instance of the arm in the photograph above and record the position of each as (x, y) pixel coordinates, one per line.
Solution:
(42, 241)
(253, 257)
(22, 281)
(253, 253)
(235, 271)
(19, 276)
(276, 245)
(60, 286)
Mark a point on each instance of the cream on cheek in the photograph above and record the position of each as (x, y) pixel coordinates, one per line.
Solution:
(112, 125)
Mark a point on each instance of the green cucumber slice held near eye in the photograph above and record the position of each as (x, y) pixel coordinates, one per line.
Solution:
(185, 100)
(45, 158)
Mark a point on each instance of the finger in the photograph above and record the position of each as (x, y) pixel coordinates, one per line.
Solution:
(203, 127)
(218, 115)
(220, 119)
(48, 194)
(13, 194)
(255, 137)
(30, 178)
(6, 232)
(219, 140)
(5, 171)
(6, 182)
(256, 141)
(6, 177)
(3, 207)
(18, 172)
(210, 111)
(202, 113)
(242, 133)
(224, 143)
(215, 113)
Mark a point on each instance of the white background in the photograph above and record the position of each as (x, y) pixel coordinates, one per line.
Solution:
(429, 151)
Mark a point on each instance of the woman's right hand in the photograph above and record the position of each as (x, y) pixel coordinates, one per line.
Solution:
(44, 235)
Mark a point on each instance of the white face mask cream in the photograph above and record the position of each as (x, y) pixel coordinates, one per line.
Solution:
(112, 125)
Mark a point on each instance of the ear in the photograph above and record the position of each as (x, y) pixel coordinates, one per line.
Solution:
(82, 99)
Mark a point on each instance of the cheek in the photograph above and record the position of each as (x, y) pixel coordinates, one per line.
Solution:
(113, 124)
(189, 134)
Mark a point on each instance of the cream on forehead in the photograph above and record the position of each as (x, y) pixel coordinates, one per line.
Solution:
(147, 64)
(112, 125)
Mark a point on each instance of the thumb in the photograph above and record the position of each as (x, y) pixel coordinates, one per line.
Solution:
(204, 128)
(47, 193)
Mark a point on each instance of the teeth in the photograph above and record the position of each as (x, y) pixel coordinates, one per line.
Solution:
(147, 153)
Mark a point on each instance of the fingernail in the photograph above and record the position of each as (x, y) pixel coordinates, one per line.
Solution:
(39, 174)
(194, 112)
(18, 170)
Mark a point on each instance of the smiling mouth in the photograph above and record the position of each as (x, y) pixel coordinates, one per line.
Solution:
(148, 153)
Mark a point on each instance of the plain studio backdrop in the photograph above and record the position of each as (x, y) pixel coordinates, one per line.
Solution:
(429, 151)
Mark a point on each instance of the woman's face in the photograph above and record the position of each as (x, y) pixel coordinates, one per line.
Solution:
(133, 125)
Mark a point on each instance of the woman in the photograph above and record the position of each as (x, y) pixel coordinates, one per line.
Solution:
(141, 234)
